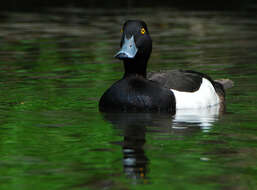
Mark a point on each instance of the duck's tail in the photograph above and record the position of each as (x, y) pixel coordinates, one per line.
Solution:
(226, 83)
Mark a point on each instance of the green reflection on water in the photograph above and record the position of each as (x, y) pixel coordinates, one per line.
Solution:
(53, 73)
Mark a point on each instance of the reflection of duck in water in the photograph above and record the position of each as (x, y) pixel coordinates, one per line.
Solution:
(135, 126)
(203, 117)
(161, 92)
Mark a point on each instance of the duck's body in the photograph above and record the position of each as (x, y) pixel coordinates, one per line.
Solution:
(159, 92)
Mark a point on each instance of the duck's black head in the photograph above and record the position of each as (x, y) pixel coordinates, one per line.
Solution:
(136, 47)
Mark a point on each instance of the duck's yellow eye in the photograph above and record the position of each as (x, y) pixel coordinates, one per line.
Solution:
(121, 30)
(142, 31)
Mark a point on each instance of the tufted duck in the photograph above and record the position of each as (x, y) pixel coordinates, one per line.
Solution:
(157, 92)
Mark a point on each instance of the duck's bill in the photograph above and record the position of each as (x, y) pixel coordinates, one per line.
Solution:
(128, 49)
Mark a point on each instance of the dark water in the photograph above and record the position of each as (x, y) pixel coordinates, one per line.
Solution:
(54, 68)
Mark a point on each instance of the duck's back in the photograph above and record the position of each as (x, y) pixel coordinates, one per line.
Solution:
(184, 80)
(191, 89)
(134, 94)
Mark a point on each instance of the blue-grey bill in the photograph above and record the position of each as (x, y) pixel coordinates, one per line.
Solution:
(128, 49)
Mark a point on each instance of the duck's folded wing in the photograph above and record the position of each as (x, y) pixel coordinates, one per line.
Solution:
(181, 80)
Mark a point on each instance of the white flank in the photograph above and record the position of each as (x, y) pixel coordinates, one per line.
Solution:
(204, 97)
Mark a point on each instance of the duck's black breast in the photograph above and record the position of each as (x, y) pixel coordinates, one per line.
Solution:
(134, 94)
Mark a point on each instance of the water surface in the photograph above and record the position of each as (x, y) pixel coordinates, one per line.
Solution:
(54, 68)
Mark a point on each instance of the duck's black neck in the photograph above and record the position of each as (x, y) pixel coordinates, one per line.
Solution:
(135, 67)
